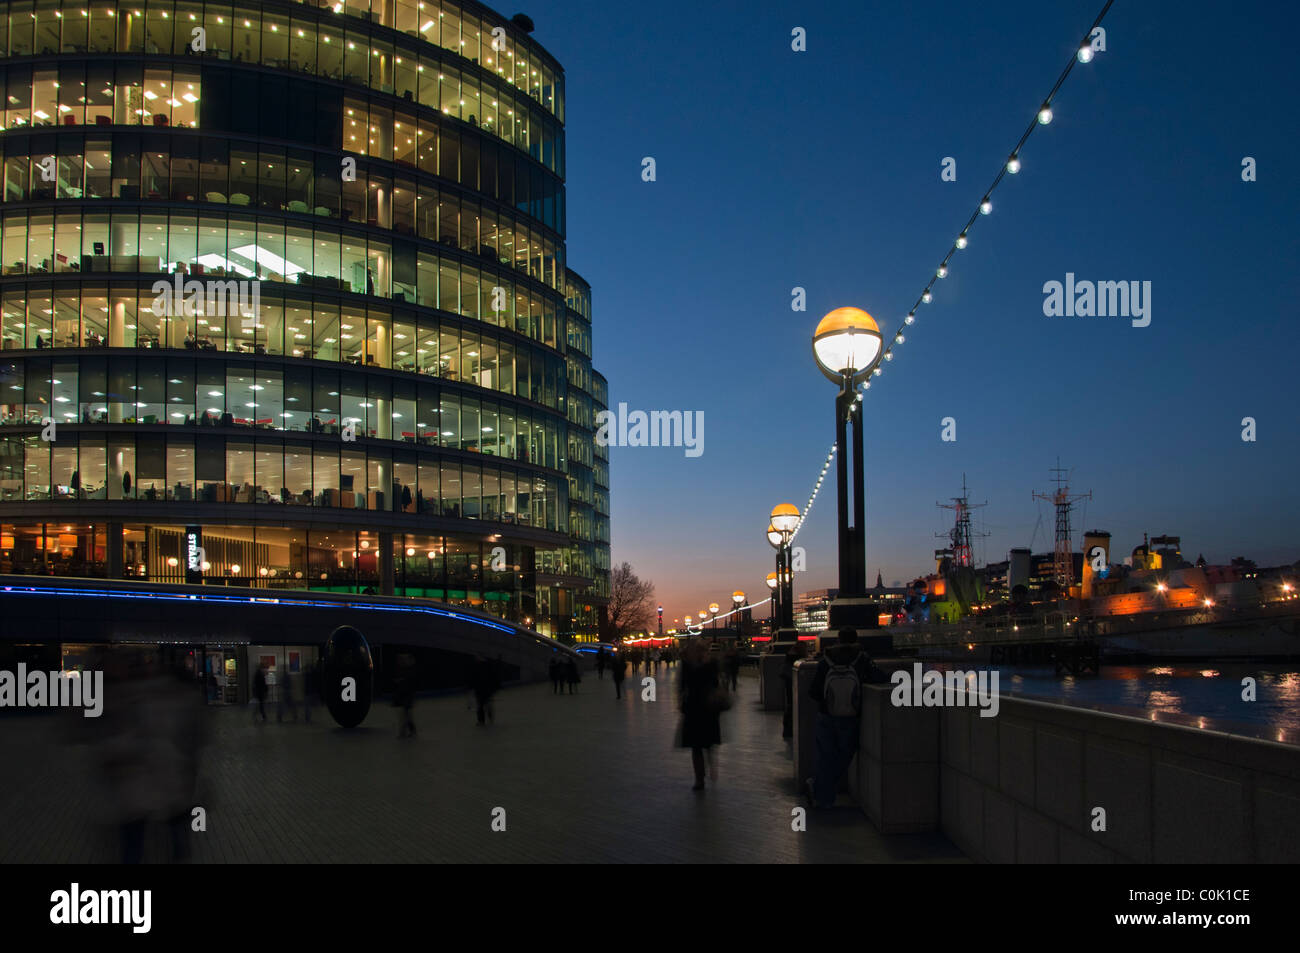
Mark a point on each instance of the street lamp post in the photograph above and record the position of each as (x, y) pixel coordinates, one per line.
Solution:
(775, 615)
(847, 346)
(777, 579)
(713, 614)
(784, 520)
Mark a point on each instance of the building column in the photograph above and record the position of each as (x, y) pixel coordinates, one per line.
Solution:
(117, 327)
(386, 564)
(115, 551)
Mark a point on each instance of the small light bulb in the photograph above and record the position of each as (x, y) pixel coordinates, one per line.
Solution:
(889, 355)
(1013, 165)
(961, 240)
(911, 318)
(1085, 53)
(1045, 115)
(867, 386)
(943, 271)
(877, 372)
(898, 338)
(927, 297)
(985, 207)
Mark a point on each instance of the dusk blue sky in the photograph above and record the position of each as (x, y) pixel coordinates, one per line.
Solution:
(821, 169)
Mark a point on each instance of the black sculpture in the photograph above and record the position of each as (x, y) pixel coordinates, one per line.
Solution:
(347, 676)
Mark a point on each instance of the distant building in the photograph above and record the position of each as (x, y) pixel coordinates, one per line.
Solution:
(812, 610)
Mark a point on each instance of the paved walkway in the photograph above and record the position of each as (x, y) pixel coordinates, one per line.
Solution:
(582, 778)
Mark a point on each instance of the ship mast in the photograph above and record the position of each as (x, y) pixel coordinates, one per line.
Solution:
(1061, 498)
(960, 536)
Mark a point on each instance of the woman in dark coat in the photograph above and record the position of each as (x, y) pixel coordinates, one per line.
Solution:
(701, 718)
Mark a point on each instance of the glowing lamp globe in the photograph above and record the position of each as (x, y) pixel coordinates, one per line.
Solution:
(785, 517)
(847, 343)
(773, 536)
(737, 597)
(714, 608)
(771, 580)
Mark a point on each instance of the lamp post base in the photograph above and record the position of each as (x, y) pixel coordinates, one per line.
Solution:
(862, 614)
(785, 638)
(853, 612)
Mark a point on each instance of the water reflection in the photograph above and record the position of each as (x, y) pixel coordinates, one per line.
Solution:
(1212, 698)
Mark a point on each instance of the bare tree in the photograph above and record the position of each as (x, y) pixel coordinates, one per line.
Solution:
(631, 602)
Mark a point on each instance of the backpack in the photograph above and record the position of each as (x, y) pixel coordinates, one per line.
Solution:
(842, 691)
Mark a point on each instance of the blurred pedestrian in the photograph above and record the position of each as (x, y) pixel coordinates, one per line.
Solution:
(571, 674)
(731, 662)
(556, 672)
(484, 680)
(618, 669)
(259, 691)
(404, 695)
(600, 663)
(701, 706)
(311, 686)
(150, 750)
(286, 698)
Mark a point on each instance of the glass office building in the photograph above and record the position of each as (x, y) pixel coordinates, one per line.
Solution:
(283, 285)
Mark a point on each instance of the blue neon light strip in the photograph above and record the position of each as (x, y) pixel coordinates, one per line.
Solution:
(315, 603)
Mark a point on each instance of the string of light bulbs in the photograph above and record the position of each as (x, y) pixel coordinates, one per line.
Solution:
(817, 488)
(699, 627)
(1084, 54)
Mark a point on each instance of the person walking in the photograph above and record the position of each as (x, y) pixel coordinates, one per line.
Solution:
(286, 698)
(600, 664)
(571, 674)
(556, 673)
(485, 681)
(259, 691)
(731, 662)
(404, 695)
(701, 706)
(311, 687)
(837, 688)
(618, 670)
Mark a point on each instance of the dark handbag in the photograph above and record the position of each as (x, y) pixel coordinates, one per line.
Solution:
(719, 699)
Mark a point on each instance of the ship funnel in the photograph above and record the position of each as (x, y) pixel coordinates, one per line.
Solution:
(1096, 560)
(1018, 564)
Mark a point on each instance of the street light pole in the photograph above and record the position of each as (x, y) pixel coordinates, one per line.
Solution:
(773, 580)
(847, 346)
(780, 531)
(787, 586)
(853, 550)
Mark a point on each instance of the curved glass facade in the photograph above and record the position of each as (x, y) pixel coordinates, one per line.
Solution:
(291, 277)
(445, 63)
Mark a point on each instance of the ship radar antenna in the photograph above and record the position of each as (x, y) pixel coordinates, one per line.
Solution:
(1063, 500)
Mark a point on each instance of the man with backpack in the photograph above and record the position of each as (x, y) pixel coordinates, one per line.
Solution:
(837, 688)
